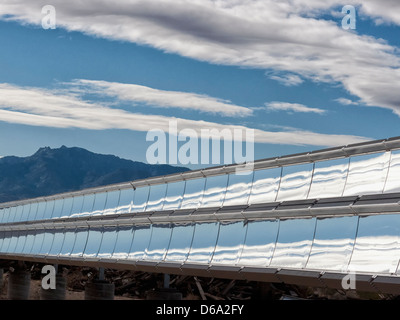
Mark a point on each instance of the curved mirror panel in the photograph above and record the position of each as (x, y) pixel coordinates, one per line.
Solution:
(367, 174)
(230, 242)
(58, 208)
(294, 243)
(140, 200)
(93, 242)
(30, 238)
(124, 241)
(6, 241)
(265, 185)
(238, 190)
(69, 241)
(77, 206)
(67, 207)
(125, 201)
(57, 242)
(21, 242)
(87, 206)
(25, 212)
(2, 236)
(108, 242)
(181, 240)
(140, 242)
(377, 247)
(3, 213)
(204, 241)
(40, 210)
(112, 202)
(37, 242)
(329, 178)
(10, 215)
(47, 242)
(295, 182)
(18, 214)
(214, 192)
(393, 181)
(156, 197)
(260, 243)
(48, 212)
(173, 199)
(80, 242)
(193, 193)
(100, 200)
(159, 242)
(333, 243)
(13, 242)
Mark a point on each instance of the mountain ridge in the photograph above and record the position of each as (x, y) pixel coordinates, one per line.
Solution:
(51, 171)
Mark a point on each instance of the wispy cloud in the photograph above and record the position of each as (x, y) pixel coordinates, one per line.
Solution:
(283, 36)
(161, 98)
(292, 107)
(287, 80)
(51, 108)
(346, 102)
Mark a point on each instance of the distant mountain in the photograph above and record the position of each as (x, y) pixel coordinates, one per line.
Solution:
(51, 171)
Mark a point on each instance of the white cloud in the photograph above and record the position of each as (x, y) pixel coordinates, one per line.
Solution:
(287, 80)
(346, 102)
(50, 108)
(283, 36)
(161, 98)
(292, 107)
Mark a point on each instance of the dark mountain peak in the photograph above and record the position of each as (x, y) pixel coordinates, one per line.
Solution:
(50, 171)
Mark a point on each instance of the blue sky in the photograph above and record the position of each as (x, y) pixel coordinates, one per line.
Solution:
(110, 72)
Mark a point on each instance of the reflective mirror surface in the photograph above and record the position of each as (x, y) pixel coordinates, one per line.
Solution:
(230, 241)
(175, 191)
(140, 242)
(393, 181)
(294, 243)
(77, 204)
(181, 241)
(214, 192)
(80, 242)
(377, 247)
(140, 200)
(333, 243)
(238, 190)
(124, 241)
(112, 202)
(125, 201)
(93, 242)
(99, 203)
(295, 183)
(87, 206)
(329, 178)
(159, 242)
(69, 241)
(108, 243)
(47, 242)
(265, 185)
(367, 174)
(194, 190)
(156, 197)
(57, 242)
(259, 243)
(204, 241)
(58, 208)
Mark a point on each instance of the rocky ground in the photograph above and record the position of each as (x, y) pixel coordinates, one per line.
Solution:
(131, 285)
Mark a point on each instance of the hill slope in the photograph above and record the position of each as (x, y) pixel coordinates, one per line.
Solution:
(51, 171)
